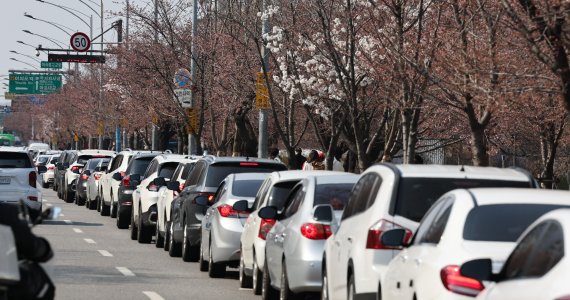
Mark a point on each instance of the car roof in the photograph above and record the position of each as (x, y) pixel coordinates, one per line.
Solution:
(249, 176)
(456, 171)
(12, 149)
(490, 196)
(95, 152)
(336, 177)
(281, 176)
(220, 159)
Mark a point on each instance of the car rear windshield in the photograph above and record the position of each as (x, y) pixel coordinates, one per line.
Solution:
(508, 221)
(54, 160)
(92, 164)
(84, 158)
(139, 165)
(334, 194)
(246, 188)
(167, 169)
(217, 172)
(43, 159)
(279, 193)
(14, 160)
(416, 195)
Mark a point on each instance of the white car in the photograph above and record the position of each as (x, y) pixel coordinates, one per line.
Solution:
(538, 268)
(48, 176)
(19, 180)
(75, 167)
(165, 197)
(145, 196)
(93, 183)
(391, 196)
(456, 229)
(273, 192)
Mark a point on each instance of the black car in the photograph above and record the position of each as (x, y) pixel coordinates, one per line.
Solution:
(81, 183)
(208, 173)
(137, 166)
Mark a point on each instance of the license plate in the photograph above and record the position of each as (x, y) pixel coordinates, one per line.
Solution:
(4, 180)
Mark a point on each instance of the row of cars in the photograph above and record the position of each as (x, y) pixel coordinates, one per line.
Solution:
(393, 232)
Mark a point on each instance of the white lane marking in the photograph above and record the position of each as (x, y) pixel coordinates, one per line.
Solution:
(61, 215)
(152, 295)
(105, 253)
(67, 221)
(89, 241)
(49, 204)
(125, 271)
(77, 230)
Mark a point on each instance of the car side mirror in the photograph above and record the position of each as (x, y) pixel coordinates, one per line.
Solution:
(323, 213)
(159, 181)
(394, 238)
(42, 169)
(117, 176)
(202, 200)
(135, 179)
(87, 173)
(268, 212)
(479, 269)
(173, 186)
(241, 206)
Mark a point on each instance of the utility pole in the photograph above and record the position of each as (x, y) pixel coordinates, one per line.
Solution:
(262, 143)
(119, 28)
(193, 66)
(125, 134)
(154, 129)
(101, 99)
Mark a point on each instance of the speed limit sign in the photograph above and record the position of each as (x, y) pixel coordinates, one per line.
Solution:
(80, 42)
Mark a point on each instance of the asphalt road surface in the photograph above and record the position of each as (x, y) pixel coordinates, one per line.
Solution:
(95, 260)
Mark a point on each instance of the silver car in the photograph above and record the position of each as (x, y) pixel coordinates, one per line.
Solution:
(294, 246)
(222, 225)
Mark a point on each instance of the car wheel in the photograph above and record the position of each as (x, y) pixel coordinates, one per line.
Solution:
(267, 291)
(134, 230)
(203, 264)
(105, 209)
(174, 249)
(144, 233)
(113, 208)
(351, 288)
(166, 236)
(325, 287)
(285, 293)
(98, 203)
(45, 185)
(245, 281)
(215, 270)
(189, 253)
(122, 219)
(257, 278)
(159, 238)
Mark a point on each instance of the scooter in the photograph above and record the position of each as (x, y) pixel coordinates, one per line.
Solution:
(10, 265)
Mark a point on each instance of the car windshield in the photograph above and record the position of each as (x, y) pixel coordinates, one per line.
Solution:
(84, 158)
(509, 221)
(14, 160)
(279, 193)
(416, 195)
(217, 172)
(139, 165)
(43, 159)
(334, 194)
(246, 188)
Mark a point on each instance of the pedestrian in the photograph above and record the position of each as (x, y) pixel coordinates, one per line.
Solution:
(299, 158)
(274, 154)
(337, 165)
(312, 157)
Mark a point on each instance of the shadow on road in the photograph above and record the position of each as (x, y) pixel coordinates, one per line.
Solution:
(74, 223)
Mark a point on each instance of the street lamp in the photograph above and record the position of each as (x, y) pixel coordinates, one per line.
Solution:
(29, 56)
(59, 26)
(26, 44)
(69, 10)
(59, 44)
(23, 62)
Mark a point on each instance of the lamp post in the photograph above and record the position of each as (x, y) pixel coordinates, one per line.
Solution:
(28, 56)
(26, 44)
(59, 44)
(58, 26)
(23, 62)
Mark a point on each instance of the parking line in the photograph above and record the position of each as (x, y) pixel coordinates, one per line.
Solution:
(89, 241)
(105, 253)
(67, 221)
(152, 295)
(125, 271)
(77, 230)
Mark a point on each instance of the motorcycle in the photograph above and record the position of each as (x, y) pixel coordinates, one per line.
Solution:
(21, 277)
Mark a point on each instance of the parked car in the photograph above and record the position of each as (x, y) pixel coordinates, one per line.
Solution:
(81, 183)
(222, 225)
(128, 183)
(204, 179)
(394, 196)
(295, 244)
(145, 196)
(93, 182)
(60, 170)
(74, 166)
(48, 177)
(41, 160)
(457, 229)
(166, 195)
(538, 266)
(19, 180)
(109, 187)
(273, 192)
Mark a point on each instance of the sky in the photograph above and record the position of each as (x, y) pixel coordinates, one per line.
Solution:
(13, 21)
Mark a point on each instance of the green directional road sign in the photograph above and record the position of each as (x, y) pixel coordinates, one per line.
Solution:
(34, 83)
(51, 65)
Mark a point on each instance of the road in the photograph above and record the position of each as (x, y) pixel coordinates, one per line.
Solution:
(95, 260)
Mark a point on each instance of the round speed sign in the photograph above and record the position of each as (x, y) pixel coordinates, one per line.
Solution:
(80, 42)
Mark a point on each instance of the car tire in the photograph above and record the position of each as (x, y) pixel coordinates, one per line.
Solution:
(45, 185)
(325, 280)
(245, 282)
(113, 208)
(144, 235)
(134, 230)
(351, 289)
(257, 277)
(189, 253)
(285, 292)
(159, 238)
(68, 196)
(215, 270)
(202, 263)
(105, 209)
(166, 236)
(122, 220)
(267, 291)
(92, 205)
(175, 249)
(79, 201)
(98, 203)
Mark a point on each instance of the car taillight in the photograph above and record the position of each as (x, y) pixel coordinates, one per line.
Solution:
(33, 198)
(181, 186)
(75, 169)
(316, 231)
(265, 227)
(84, 177)
(375, 234)
(51, 168)
(249, 164)
(459, 284)
(97, 176)
(32, 177)
(209, 195)
(227, 211)
(126, 181)
(122, 173)
(152, 187)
